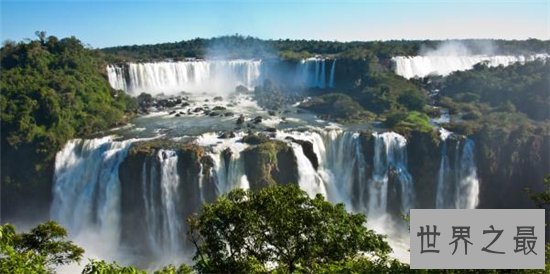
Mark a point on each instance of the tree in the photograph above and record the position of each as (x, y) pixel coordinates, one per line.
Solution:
(102, 267)
(37, 251)
(280, 228)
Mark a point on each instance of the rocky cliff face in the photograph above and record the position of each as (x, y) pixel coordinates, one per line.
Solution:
(145, 189)
(509, 162)
(269, 163)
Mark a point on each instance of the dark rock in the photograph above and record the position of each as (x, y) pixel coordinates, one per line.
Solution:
(172, 112)
(271, 129)
(240, 120)
(272, 113)
(213, 113)
(257, 120)
(270, 163)
(229, 114)
(253, 139)
(185, 104)
(218, 98)
(219, 108)
(307, 147)
(227, 134)
(177, 115)
(241, 89)
(198, 109)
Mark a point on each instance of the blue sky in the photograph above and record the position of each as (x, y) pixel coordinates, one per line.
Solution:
(110, 23)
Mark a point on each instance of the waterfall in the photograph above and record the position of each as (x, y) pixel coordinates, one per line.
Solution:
(87, 191)
(390, 154)
(169, 181)
(193, 76)
(310, 181)
(311, 73)
(86, 187)
(332, 71)
(116, 77)
(443, 173)
(422, 66)
(322, 75)
(457, 187)
(468, 187)
(228, 170)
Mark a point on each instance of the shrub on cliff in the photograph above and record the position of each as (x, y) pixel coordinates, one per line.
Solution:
(337, 106)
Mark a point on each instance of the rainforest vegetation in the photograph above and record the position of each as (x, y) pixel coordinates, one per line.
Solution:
(54, 90)
(239, 46)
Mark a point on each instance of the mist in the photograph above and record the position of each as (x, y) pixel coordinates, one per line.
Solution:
(461, 48)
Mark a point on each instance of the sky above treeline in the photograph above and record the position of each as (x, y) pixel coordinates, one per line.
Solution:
(105, 23)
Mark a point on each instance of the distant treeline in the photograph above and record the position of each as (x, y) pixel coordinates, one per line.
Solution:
(238, 46)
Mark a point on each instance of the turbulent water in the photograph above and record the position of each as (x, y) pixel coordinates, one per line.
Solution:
(218, 76)
(422, 66)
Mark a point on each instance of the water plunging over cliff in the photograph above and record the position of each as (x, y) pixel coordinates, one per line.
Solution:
(154, 191)
(214, 76)
(160, 198)
(194, 76)
(422, 66)
(86, 188)
(457, 182)
(390, 159)
(312, 72)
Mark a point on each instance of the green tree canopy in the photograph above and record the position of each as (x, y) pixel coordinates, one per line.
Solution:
(37, 251)
(280, 228)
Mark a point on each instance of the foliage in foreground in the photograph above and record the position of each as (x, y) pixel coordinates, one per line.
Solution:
(277, 229)
(280, 229)
(37, 251)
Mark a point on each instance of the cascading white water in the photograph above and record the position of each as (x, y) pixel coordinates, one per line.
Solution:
(457, 187)
(310, 181)
(422, 66)
(193, 76)
(443, 173)
(87, 192)
(228, 173)
(312, 73)
(169, 182)
(342, 173)
(216, 76)
(86, 187)
(390, 154)
(116, 77)
(468, 187)
(159, 186)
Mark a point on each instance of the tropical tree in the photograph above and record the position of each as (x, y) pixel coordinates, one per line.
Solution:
(281, 229)
(37, 251)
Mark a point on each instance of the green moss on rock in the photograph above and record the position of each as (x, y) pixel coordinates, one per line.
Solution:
(269, 163)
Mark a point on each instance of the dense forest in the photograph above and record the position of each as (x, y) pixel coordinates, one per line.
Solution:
(238, 46)
(53, 90)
